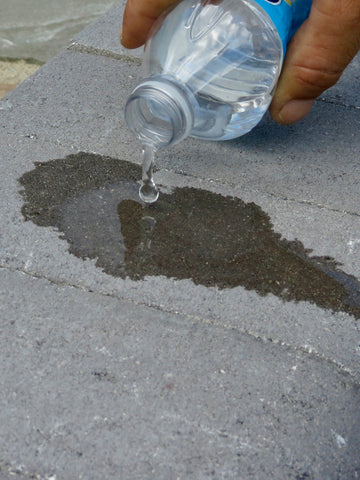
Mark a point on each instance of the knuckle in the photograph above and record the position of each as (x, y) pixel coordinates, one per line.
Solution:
(316, 79)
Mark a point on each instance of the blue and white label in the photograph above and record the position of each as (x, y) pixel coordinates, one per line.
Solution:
(286, 15)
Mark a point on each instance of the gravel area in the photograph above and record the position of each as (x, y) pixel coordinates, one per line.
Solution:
(13, 72)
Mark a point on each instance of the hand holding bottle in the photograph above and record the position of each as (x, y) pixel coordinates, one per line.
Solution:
(317, 54)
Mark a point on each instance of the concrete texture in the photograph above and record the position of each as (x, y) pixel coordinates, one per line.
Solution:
(110, 377)
(109, 389)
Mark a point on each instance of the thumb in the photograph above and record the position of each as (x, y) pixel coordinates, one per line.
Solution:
(317, 55)
(139, 16)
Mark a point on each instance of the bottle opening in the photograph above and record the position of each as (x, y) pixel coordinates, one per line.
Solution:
(150, 121)
(158, 113)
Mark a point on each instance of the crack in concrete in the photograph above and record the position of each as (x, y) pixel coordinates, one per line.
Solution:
(330, 101)
(311, 204)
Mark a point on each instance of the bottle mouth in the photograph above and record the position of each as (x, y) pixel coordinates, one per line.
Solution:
(159, 113)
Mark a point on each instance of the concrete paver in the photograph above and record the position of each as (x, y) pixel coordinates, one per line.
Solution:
(100, 388)
(103, 36)
(89, 116)
(163, 378)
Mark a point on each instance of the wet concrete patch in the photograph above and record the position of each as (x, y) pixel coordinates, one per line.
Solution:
(188, 234)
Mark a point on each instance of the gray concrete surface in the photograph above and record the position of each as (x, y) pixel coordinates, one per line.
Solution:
(164, 378)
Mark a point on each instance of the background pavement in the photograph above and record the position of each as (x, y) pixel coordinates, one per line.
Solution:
(36, 29)
(120, 357)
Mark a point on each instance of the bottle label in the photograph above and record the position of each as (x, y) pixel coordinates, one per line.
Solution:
(286, 15)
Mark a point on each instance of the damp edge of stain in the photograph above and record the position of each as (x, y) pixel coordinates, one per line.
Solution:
(214, 240)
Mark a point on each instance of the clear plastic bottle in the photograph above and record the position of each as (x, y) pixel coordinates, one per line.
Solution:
(211, 68)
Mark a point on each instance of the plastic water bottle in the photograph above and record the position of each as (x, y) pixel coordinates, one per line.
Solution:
(211, 68)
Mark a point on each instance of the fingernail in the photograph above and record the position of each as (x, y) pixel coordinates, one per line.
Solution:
(295, 110)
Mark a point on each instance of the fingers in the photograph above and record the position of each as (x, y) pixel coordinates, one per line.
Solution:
(316, 57)
(139, 17)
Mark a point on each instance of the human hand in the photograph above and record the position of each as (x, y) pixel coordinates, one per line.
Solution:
(139, 17)
(317, 54)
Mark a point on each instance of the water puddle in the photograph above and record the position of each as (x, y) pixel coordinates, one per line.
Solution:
(188, 234)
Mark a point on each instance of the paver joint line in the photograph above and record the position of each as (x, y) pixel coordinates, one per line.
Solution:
(311, 204)
(338, 104)
(217, 181)
(78, 47)
(195, 318)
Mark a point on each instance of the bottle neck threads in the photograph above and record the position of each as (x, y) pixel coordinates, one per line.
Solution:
(159, 112)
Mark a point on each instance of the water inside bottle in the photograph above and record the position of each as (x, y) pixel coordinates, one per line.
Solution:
(228, 55)
(148, 190)
(211, 73)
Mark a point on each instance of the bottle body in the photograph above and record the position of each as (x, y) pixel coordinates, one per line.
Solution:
(224, 57)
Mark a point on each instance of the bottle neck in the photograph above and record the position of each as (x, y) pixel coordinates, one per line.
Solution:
(159, 111)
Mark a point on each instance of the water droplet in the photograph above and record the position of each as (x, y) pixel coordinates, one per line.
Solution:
(148, 192)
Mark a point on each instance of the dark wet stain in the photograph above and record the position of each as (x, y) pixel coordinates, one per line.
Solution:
(188, 234)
